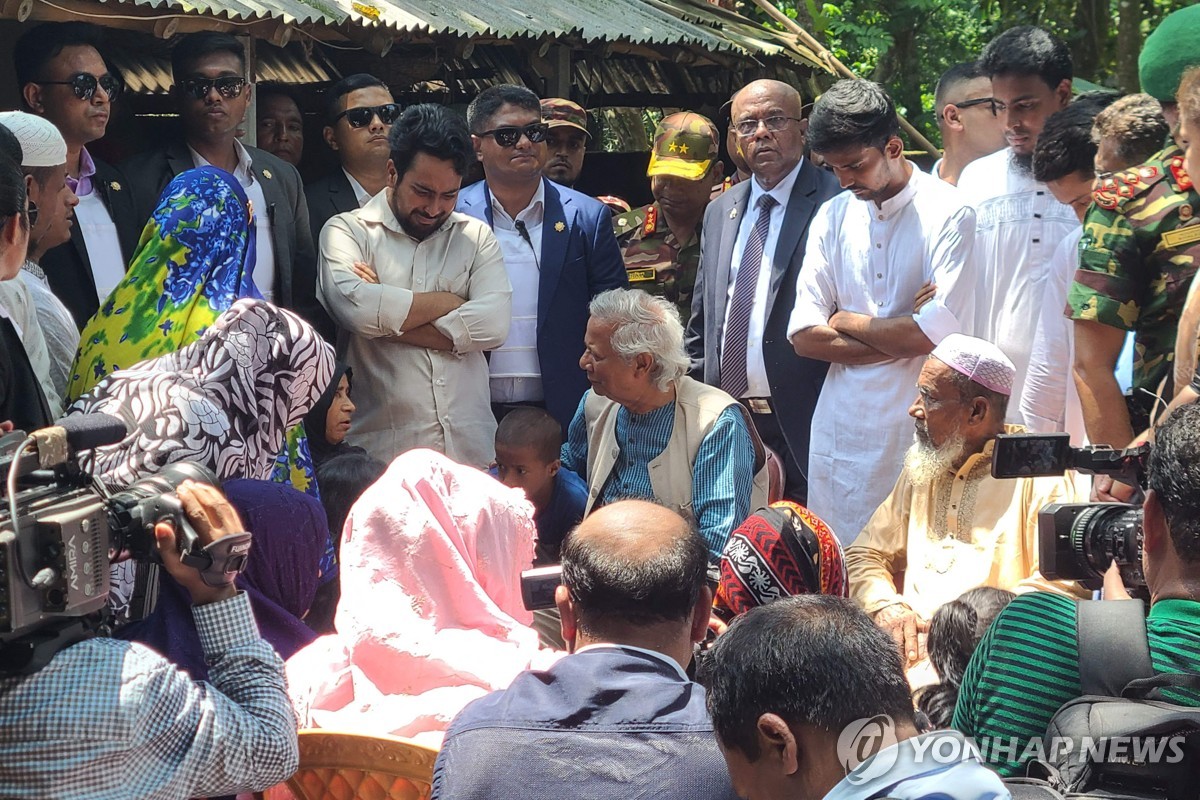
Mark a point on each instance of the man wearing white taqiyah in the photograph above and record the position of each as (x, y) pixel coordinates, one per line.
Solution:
(45, 325)
(948, 525)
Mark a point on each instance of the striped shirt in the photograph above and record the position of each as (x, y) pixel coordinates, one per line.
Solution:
(1027, 666)
(722, 474)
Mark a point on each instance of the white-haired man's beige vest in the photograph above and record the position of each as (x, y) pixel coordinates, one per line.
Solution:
(697, 407)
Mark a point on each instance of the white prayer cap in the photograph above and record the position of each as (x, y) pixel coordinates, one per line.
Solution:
(979, 360)
(41, 143)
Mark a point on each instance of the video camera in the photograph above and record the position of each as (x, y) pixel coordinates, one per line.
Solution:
(60, 529)
(1078, 541)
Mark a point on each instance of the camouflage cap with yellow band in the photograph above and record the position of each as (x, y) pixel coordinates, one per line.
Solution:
(559, 112)
(685, 145)
(1169, 50)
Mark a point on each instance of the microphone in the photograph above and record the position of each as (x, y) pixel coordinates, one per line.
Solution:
(77, 432)
(524, 232)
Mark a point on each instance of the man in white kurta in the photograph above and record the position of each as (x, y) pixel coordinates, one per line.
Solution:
(868, 263)
(420, 292)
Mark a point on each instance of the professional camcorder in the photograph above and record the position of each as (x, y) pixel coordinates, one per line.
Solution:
(1078, 541)
(60, 530)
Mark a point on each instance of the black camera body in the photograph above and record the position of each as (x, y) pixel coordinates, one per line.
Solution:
(1078, 541)
(59, 532)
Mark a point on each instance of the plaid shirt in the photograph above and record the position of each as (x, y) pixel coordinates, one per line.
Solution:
(113, 719)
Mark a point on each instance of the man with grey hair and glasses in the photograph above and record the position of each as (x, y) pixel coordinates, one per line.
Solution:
(645, 430)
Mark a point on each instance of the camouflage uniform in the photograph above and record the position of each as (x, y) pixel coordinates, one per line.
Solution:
(685, 146)
(654, 259)
(1138, 254)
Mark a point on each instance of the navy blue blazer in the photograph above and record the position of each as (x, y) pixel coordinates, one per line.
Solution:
(605, 723)
(580, 258)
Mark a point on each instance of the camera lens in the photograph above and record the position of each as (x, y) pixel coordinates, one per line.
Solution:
(1107, 533)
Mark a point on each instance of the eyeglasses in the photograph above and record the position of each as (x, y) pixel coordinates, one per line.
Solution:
(361, 116)
(509, 135)
(749, 127)
(990, 102)
(32, 213)
(229, 88)
(84, 85)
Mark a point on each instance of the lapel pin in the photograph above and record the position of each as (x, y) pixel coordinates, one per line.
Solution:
(560, 226)
(267, 174)
(733, 213)
(115, 186)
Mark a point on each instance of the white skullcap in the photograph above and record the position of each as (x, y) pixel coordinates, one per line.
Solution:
(41, 143)
(979, 360)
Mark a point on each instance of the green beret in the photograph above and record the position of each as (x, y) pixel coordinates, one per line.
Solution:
(1170, 49)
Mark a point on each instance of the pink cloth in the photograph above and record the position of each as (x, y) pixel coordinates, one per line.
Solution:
(431, 615)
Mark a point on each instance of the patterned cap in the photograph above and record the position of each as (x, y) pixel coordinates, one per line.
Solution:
(562, 113)
(1169, 50)
(41, 143)
(685, 145)
(979, 360)
(618, 205)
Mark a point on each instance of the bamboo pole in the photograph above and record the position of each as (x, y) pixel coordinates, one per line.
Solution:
(837, 66)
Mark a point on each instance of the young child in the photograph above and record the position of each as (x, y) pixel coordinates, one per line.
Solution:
(528, 442)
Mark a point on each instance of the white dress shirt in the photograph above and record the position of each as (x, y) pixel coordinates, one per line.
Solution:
(756, 369)
(1019, 225)
(1050, 401)
(264, 245)
(360, 194)
(516, 372)
(103, 247)
(873, 260)
(409, 396)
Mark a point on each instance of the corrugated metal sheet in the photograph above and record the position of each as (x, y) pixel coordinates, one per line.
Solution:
(150, 73)
(294, 11)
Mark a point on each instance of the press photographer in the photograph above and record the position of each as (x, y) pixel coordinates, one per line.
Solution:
(82, 715)
(995, 701)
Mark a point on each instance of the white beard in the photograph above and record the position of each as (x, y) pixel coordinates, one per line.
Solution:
(925, 463)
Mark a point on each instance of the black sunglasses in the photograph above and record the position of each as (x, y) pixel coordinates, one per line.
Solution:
(508, 136)
(229, 88)
(361, 116)
(979, 101)
(84, 84)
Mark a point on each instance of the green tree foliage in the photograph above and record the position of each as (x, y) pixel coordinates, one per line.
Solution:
(907, 44)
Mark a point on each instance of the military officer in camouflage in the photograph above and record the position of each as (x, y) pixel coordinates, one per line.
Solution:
(661, 241)
(566, 141)
(1138, 257)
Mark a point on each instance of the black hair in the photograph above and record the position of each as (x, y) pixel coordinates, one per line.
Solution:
(276, 89)
(954, 633)
(531, 427)
(968, 390)
(42, 44)
(192, 47)
(1065, 145)
(1028, 50)
(610, 589)
(1135, 126)
(951, 79)
(10, 146)
(812, 659)
(492, 99)
(852, 112)
(343, 479)
(348, 84)
(434, 130)
(1173, 472)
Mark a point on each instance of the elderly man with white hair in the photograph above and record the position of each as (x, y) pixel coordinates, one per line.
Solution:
(948, 525)
(645, 430)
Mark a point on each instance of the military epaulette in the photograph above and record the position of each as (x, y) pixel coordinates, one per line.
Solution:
(1124, 185)
(1179, 173)
(630, 220)
(651, 223)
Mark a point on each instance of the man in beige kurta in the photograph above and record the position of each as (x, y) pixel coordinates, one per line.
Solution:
(420, 292)
(948, 525)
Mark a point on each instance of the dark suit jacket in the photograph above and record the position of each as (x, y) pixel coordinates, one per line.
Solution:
(68, 267)
(600, 722)
(577, 263)
(795, 382)
(328, 196)
(295, 255)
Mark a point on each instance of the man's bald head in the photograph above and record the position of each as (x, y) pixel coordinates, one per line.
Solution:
(634, 563)
(786, 95)
(766, 115)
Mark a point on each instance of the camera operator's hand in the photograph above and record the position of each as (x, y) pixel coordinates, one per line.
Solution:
(907, 629)
(212, 517)
(1107, 490)
(1114, 587)
(6, 426)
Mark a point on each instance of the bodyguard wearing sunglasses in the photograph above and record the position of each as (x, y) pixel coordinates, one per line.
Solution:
(559, 250)
(966, 115)
(64, 78)
(212, 96)
(360, 114)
